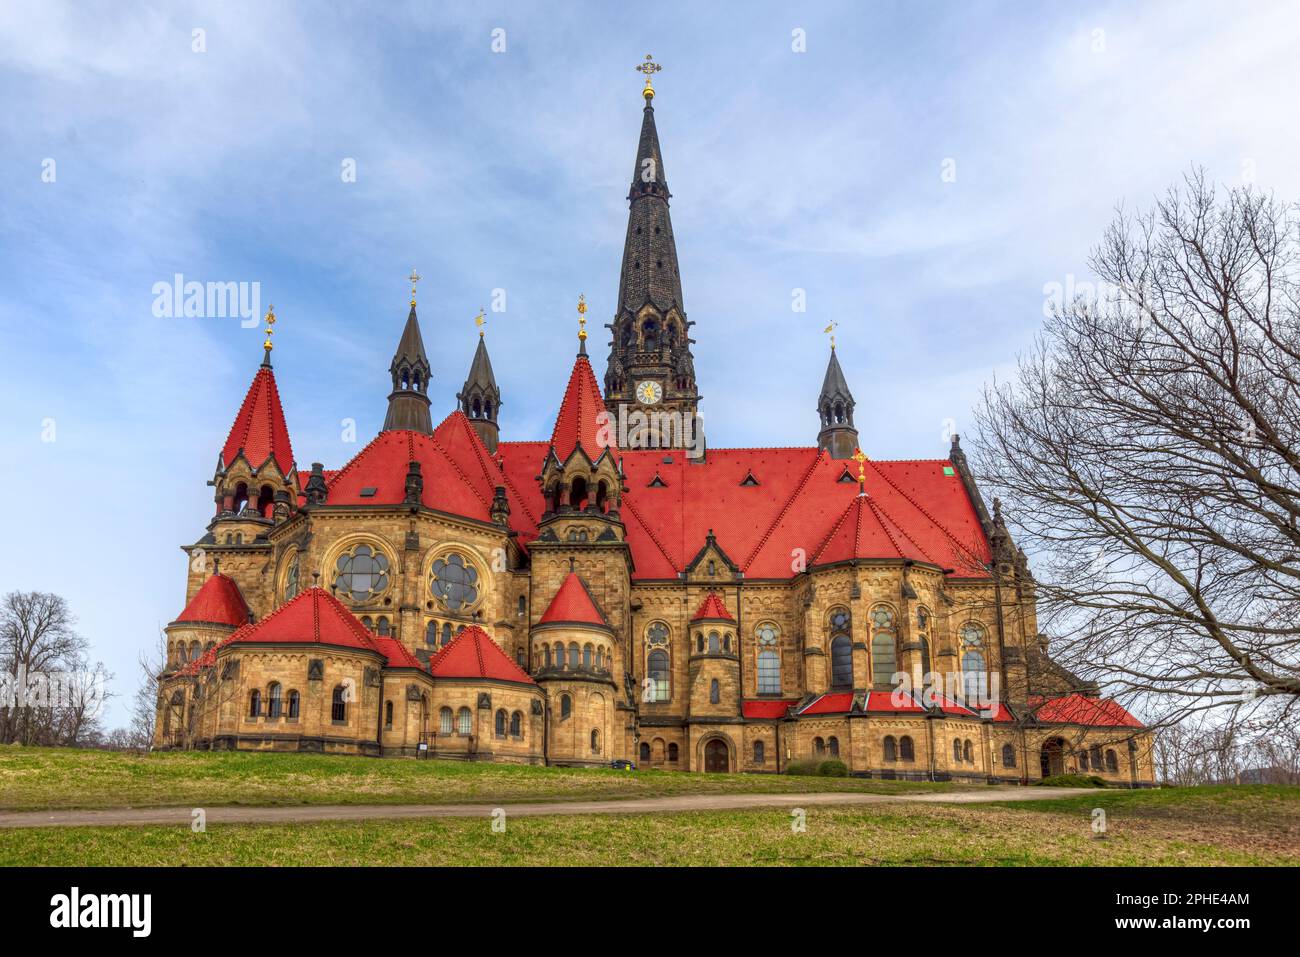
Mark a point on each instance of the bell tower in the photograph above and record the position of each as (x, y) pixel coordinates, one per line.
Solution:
(651, 368)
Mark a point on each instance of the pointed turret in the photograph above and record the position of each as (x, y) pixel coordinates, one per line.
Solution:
(835, 407)
(650, 359)
(480, 398)
(408, 405)
(256, 461)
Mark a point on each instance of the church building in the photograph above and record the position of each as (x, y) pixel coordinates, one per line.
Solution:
(619, 590)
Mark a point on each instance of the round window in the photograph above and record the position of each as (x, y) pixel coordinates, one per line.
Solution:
(454, 582)
(362, 573)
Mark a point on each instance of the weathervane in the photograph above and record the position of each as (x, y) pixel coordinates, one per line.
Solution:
(270, 321)
(481, 320)
(649, 67)
(414, 277)
(831, 330)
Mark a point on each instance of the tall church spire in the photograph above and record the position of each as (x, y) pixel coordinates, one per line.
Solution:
(835, 406)
(408, 405)
(480, 398)
(650, 360)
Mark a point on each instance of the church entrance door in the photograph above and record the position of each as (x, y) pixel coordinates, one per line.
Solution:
(1053, 757)
(715, 756)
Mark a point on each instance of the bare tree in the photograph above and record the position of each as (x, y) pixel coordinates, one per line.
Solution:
(37, 638)
(1147, 453)
(144, 703)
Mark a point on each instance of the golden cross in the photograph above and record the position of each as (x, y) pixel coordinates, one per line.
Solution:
(831, 330)
(270, 321)
(414, 277)
(860, 457)
(582, 316)
(480, 320)
(648, 67)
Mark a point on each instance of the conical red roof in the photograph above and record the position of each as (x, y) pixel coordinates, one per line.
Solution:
(218, 602)
(577, 424)
(259, 428)
(314, 616)
(472, 654)
(712, 608)
(573, 603)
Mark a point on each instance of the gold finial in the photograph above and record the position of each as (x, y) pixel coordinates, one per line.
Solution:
(481, 320)
(831, 330)
(648, 67)
(860, 457)
(270, 321)
(582, 317)
(414, 277)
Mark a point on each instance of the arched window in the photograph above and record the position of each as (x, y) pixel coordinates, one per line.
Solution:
(658, 668)
(388, 714)
(431, 634)
(714, 646)
(446, 633)
(924, 652)
(956, 750)
(1112, 761)
(523, 606)
(444, 721)
(367, 623)
(1008, 756)
(293, 705)
(566, 706)
(833, 746)
(884, 658)
(819, 746)
(967, 754)
(891, 748)
(726, 642)
(906, 751)
(291, 578)
(195, 651)
(501, 723)
(254, 703)
(1094, 757)
(586, 657)
(645, 752)
(559, 655)
(769, 661)
(517, 724)
(841, 662)
(974, 679)
(383, 627)
(672, 753)
(464, 721)
(273, 702)
(715, 693)
(699, 642)
(338, 705)
(546, 656)
(575, 656)
(759, 755)
(595, 741)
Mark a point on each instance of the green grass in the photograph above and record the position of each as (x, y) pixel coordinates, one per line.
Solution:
(892, 834)
(50, 778)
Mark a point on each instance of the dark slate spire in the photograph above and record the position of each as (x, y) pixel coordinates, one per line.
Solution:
(480, 398)
(835, 407)
(650, 359)
(408, 406)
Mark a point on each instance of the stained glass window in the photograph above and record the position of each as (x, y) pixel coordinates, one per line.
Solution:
(291, 578)
(362, 573)
(769, 673)
(842, 662)
(455, 582)
(657, 634)
(658, 669)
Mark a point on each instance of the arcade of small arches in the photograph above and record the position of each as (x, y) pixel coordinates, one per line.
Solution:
(592, 657)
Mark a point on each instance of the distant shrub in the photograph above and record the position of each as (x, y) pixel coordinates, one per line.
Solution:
(833, 768)
(1073, 781)
(802, 768)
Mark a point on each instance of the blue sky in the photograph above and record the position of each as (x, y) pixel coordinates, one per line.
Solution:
(819, 170)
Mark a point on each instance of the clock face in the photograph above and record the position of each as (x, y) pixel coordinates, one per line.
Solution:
(649, 392)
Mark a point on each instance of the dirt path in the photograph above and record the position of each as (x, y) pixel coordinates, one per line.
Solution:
(368, 812)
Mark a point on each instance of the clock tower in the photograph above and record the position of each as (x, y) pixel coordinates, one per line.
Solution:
(650, 368)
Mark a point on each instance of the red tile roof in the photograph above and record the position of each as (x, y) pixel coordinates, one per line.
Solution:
(1081, 709)
(765, 709)
(217, 601)
(581, 412)
(396, 653)
(834, 703)
(883, 701)
(259, 430)
(314, 616)
(573, 602)
(472, 654)
(712, 609)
